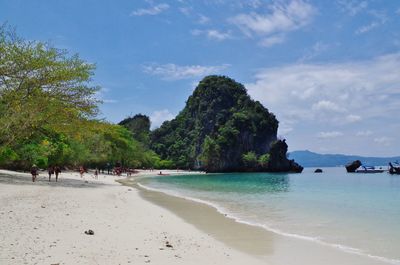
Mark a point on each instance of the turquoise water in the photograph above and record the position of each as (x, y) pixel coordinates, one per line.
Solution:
(357, 213)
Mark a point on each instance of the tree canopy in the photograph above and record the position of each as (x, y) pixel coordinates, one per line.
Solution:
(139, 125)
(48, 111)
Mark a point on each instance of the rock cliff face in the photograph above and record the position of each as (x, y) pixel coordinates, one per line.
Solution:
(219, 126)
(278, 161)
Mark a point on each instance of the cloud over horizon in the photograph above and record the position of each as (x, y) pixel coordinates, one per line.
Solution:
(370, 88)
(177, 72)
(347, 95)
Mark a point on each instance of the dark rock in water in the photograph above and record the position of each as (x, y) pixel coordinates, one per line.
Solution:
(89, 232)
(318, 170)
(351, 167)
(278, 161)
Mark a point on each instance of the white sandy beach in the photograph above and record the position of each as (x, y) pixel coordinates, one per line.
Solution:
(44, 223)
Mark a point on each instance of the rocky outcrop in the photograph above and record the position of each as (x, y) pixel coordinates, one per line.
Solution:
(278, 159)
(221, 129)
(351, 167)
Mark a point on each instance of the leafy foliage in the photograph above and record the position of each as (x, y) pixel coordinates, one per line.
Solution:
(139, 125)
(47, 110)
(250, 159)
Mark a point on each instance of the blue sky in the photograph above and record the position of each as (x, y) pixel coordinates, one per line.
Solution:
(329, 70)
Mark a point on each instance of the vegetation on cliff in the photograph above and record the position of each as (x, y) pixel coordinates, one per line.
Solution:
(139, 126)
(221, 129)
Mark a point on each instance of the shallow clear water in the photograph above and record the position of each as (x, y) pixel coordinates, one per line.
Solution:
(357, 213)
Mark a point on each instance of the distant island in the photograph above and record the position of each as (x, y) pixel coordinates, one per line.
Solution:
(311, 159)
(221, 129)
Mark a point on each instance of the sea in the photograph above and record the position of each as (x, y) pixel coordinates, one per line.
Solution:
(354, 212)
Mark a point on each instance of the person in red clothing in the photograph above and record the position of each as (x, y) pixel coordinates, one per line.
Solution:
(81, 171)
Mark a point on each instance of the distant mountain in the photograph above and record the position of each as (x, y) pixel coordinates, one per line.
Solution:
(310, 159)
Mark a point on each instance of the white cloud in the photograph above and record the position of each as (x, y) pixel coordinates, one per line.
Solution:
(203, 19)
(364, 133)
(284, 128)
(386, 141)
(368, 27)
(352, 7)
(153, 10)
(250, 3)
(212, 34)
(326, 105)
(101, 95)
(185, 10)
(281, 18)
(333, 92)
(159, 116)
(380, 18)
(218, 35)
(318, 48)
(329, 135)
(353, 118)
(176, 72)
(271, 41)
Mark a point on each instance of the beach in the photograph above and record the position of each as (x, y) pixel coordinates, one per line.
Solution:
(45, 223)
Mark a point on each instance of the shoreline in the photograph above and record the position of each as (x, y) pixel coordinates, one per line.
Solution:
(137, 224)
(44, 223)
(260, 236)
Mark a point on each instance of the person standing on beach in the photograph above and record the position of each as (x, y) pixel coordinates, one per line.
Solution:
(57, 170)
(96, 173)
(34, 172)
(81, 171)
(108, 168)
(50, 170)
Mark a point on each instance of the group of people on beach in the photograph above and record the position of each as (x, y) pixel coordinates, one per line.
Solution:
(56, 170)
(117, 170)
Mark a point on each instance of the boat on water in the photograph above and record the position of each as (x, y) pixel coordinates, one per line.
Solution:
(369, 169)
(394, 168)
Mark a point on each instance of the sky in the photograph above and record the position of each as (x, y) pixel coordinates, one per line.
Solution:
(329, 70)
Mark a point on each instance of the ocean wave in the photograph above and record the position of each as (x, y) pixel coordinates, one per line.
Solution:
(225, 212)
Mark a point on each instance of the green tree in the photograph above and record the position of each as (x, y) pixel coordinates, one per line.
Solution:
(250, 159)
(41, 87)
(263, 160)
(210, 154)
(139, 125)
